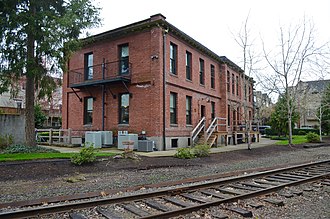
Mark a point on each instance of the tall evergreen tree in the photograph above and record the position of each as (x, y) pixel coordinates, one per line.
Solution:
(37, 37)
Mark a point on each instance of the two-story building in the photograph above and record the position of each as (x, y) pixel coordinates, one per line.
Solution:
(150, 77)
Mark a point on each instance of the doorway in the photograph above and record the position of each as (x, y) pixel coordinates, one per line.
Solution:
(202, 111)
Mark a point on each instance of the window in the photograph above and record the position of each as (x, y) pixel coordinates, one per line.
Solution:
(123, 59)
(88, 111)
(88, 66)
(212, 110)
(188, 110)
(228, 81)
(250, 94)
(233, 83)
(173, 58)
(174, 143)
(212, 77)
(173, 108)
(124, 108)
(188, 66)
(228, 114)
(237, 85)
(201, 72)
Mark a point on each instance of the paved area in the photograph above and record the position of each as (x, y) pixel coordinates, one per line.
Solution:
(264, 142)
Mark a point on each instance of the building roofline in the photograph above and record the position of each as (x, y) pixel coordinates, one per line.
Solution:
(160, 21)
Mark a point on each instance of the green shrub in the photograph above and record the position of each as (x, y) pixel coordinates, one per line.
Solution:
(201, 150)
(184, 153)
(14, 149)
(296, 131)
(86, 155)
(6, 140)
(312, 137)
(301, 132)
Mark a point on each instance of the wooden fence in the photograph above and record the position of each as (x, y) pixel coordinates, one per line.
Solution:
(54, 136)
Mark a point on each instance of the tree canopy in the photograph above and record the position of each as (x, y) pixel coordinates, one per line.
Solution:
(37, 37)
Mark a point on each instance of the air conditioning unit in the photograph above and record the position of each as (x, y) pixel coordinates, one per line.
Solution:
(107, 138)
(94, 138)
(145, 145)
(124, 137)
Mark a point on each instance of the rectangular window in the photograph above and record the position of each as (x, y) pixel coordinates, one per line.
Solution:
(188, 110)
(212, 110)
(212, 77)
(88, 66)
(173, 108)
(188, 66)
(228, 114)
(174, 143)
(124, 108)
(123, 59)
(233, 83)
(201, 72)
(237, 82)
(173, 58)
(88, 111)
(228, 81)
(250, 94)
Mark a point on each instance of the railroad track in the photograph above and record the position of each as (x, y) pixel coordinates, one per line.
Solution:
(165, 203)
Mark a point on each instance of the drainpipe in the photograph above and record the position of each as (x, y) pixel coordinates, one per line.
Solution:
(103, 94)
(164, 89)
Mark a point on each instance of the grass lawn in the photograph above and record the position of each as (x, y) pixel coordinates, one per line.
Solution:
(34, 156)
(296, 139)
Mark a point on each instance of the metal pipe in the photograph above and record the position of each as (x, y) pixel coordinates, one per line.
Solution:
(103, 94)
(164, 89)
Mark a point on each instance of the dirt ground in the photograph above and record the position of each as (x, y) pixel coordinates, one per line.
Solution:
(48, 169)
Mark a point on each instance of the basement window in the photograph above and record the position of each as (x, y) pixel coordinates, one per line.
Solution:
(174, 143)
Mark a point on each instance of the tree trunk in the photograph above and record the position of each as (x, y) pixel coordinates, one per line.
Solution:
(29, 92)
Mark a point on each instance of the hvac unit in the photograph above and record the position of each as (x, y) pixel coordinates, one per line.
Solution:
(94, 138)
(145, 145)
(124, 138)
(107, 138)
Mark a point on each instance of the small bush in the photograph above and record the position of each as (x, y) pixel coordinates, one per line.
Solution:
(184, 153)
(301, 132)
(6, 140)
(86, 155)
(201, 150)
(18, 148)
(312, 137)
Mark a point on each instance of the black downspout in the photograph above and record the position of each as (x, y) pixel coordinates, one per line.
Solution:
(164, 89)
(103, 94)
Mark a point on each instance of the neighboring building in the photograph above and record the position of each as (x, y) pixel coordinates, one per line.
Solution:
(15, 104)
(263, 107)
(308, 100)
(116, 82)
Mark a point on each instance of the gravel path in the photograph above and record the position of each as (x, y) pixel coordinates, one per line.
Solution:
(36, 180)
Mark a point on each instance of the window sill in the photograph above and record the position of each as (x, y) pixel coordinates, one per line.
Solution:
(174, 75)
(188, 126)
(88, 125)
(202, 85)
(123, 124)
(188, 80)
(174, 125)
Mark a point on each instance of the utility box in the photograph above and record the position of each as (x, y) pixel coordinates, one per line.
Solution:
(94, 138)
(145, 145)
(125, 137)
(107, 138)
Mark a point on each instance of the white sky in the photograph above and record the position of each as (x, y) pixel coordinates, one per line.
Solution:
(213, 22)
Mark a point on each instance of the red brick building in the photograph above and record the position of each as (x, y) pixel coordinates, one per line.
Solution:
(151, 77)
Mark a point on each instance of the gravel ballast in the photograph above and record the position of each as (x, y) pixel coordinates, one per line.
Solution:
(32, 180)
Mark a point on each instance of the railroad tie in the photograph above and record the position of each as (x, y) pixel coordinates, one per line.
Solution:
(77, 216)
(177, 202)
(107, 214)
(241, 211)
(214, 194)
(156, 205)
(194, 198)
(135, 210)
(274, 201)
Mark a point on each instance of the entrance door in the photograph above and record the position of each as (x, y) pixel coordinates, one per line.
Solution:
(202, 111)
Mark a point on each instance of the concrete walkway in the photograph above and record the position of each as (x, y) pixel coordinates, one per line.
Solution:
(264, 142)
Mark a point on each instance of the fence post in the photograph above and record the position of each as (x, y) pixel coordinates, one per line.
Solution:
(50, 136)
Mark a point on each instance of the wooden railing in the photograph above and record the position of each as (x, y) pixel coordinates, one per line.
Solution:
(199, 127)
(54, 136)
(214, 126)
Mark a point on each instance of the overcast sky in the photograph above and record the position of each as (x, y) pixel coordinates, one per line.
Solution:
(213, 22)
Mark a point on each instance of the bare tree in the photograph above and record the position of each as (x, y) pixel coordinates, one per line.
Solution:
(250, 60)
(296, 53)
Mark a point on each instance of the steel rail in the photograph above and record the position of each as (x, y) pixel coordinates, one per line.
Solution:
(162, 192)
